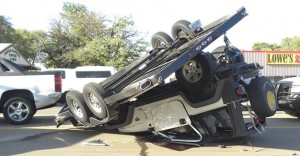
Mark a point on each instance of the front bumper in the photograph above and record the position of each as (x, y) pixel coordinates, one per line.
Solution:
(290, 103)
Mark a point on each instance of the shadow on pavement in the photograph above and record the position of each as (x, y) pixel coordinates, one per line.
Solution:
(44, 141)
(36, 121)
(281, 133)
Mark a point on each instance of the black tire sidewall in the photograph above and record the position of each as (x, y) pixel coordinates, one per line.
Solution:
(293, 109)
(292, 112)
(92, 88)
(184, 26)
(162, 36)
(29, 105)
(207, 79)
(231, 52)
(259, 89)
(76, 96)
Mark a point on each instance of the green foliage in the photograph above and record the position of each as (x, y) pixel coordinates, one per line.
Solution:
(26, 42)
(116, 48)
(265, 46)
(57, 45)
(83, 37)
(29, 43)
(6, 30)
(292, 43)
(78, 37)
(288, 43)
(83, 25)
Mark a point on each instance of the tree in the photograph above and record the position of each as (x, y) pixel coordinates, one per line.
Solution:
(291, 43)
(83, 37)
(83, 25)
(26, 42)
(6, 30)
(57, 44)
(29, 43)
(287, 43)
(265, 46)
(118, 47)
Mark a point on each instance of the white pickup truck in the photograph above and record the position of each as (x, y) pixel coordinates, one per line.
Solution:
(75, 79)
(22, 92)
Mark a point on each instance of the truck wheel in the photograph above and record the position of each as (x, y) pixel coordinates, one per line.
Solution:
(18, 110)
(181, 29)
(92, 97)
(160, 40)
(197, 74)
(77, 106)
(233, 53)
(262, 97)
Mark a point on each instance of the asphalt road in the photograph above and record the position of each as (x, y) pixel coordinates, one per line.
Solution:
(41, 137)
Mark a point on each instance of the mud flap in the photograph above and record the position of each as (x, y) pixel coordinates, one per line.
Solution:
(240, 128)
(64, 115)
(238, 123)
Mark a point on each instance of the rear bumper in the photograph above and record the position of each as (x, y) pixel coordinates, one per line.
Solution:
(46, 99)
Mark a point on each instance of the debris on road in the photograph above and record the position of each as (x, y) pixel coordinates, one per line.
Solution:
(95, 143)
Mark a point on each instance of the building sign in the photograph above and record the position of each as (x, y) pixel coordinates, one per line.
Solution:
(12, 55)
(283, 58)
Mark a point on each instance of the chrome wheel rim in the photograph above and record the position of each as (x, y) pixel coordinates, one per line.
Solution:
(18, 111)
(192, 71)
(77, 109)
(95, 103)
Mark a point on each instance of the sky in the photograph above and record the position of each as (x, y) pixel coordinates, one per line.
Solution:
(268, 20)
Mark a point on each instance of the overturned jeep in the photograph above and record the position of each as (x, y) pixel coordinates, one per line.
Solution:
(203, 102)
